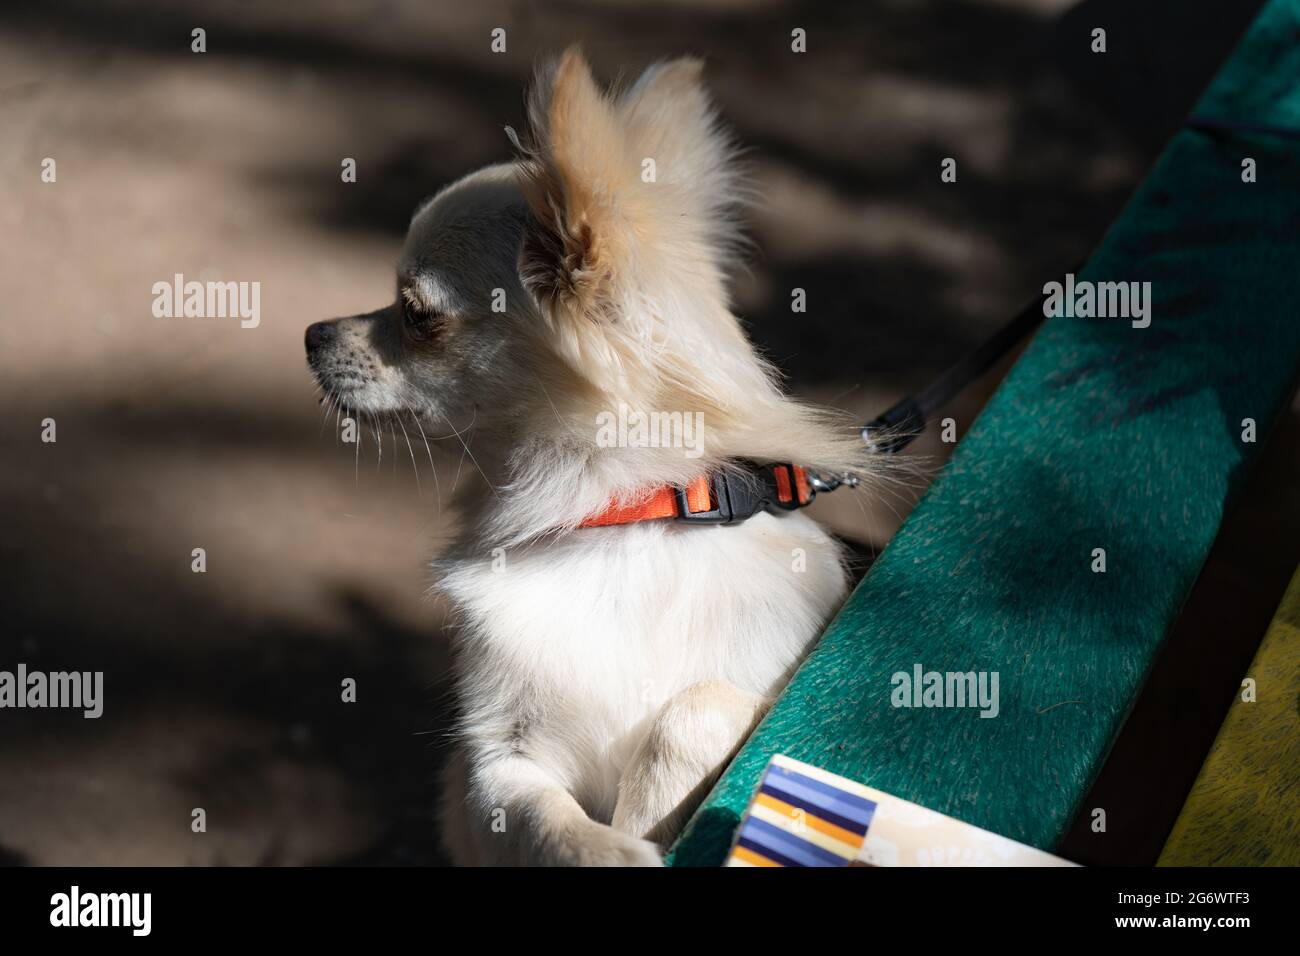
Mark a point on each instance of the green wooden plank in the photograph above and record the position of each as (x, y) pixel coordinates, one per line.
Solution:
(1103, 436)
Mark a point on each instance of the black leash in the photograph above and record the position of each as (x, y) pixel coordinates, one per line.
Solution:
(905, 421)
(1208, 124)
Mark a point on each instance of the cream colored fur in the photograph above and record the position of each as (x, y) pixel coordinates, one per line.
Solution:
(604, 675)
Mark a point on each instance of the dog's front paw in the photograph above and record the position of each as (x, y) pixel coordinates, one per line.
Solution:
(599, 845)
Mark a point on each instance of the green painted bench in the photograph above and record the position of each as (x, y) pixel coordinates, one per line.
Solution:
(1102, 436)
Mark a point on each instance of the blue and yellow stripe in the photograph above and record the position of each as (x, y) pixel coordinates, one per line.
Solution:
(802, 816)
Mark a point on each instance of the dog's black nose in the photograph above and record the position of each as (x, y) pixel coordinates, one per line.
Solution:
(318, 334)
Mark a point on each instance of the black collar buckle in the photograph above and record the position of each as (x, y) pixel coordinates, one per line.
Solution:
(739, 493)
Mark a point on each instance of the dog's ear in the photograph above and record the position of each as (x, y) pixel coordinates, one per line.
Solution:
(578, 180)
(669, 118)
(628, 199)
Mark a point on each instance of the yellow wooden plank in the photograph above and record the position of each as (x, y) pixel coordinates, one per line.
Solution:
(1244, 809)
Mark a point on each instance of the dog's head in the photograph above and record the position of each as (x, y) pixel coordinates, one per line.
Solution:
(587, 276)
(591, 268)
(439, 348)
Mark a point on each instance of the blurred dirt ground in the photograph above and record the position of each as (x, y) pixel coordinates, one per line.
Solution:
(222, 689)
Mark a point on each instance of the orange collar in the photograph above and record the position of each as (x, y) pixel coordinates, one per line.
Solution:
(723, 497)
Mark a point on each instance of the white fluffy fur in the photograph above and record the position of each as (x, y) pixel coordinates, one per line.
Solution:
(604, 674)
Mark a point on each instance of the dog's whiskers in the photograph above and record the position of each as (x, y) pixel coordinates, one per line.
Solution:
(329, 401)
(454, 432)
(414, 466)
(465, 445)
(437, 491)
(356, 453)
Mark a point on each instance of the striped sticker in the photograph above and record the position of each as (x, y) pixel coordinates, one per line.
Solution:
(802, 816)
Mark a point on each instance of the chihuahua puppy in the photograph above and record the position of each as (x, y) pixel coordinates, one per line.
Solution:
(605, 672)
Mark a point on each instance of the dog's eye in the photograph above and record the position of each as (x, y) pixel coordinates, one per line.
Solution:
(415, 313)
(420, 322)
